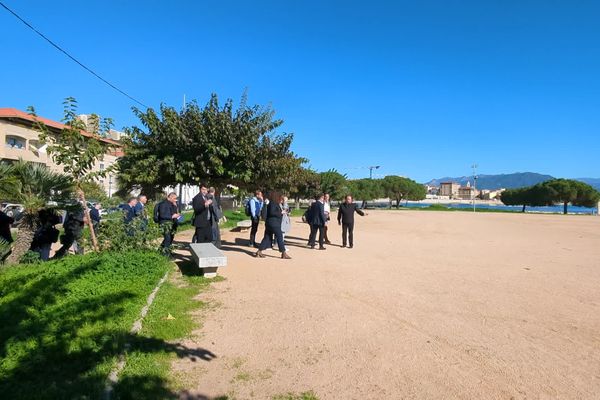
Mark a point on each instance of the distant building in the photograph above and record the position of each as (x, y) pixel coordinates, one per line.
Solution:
(491, 194)
(92, 126)
(449, 189)
(19, 139)
(433, 190)
(467, 192)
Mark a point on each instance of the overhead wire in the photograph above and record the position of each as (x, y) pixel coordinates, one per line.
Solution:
(70, 56)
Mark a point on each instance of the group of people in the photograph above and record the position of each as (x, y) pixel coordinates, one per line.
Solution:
(275, 212)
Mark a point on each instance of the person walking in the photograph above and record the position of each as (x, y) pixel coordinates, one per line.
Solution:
(216, 216)
(286, 222)
(327, 211)
(95, 216)
(5, 223)
(345, 218)
(274, 215)
(73, 226)
(316, 219)
(140, 211)
(167, 218)
(46, 234)
(203, 216)
(256, 205)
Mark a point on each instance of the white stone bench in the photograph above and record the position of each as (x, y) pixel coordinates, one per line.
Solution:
(244, 225)
(208, 258)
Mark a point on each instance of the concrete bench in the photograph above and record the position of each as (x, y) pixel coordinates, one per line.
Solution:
(244, 225)
(208, 258)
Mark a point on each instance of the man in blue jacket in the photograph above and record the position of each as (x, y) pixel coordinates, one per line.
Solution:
(316, 219)
(256, 206)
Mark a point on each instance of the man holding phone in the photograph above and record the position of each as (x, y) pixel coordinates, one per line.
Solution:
(203, 212)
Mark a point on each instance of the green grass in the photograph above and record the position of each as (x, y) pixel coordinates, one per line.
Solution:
(146, 374)
(292, 396)
(65, 322)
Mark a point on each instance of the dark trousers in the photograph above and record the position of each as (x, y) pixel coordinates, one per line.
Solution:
(253, 230)
(216, 235)
(348, 230)
(325, 234)
(204, 234)
(168, 234)
(267, 241)
(313, 235)
(67, 240)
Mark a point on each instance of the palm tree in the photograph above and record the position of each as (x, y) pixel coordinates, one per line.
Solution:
(33, 185)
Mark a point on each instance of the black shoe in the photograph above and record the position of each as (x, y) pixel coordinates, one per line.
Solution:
(343, 245)
(350, 246)
(322, 248)
(312, 247)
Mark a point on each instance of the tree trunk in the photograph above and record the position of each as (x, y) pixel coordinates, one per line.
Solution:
(523, 210)
(565, 207)
(24, 239)
(86, 213)
(364, 204)
(397, 204)
(297, 203)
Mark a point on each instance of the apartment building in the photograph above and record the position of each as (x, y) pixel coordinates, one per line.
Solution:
(19, 139)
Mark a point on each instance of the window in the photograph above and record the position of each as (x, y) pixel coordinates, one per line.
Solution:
(101, 167)
(15, 142)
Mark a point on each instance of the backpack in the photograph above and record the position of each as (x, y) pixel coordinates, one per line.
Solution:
(156, 213)
(247, 208)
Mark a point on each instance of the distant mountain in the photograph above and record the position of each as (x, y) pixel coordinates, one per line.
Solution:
(594, 182)
(508, 181)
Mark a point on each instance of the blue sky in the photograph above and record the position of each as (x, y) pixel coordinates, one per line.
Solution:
(422, 88)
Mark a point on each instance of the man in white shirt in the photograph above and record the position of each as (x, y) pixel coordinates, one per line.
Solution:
(327, 208)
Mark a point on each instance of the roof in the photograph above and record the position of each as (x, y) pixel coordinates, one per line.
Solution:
(13, 113)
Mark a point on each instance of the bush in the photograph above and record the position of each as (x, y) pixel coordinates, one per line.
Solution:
(116, 235)
(64, 325)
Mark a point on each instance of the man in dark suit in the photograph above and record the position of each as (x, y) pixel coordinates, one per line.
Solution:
(168, 216)
(316, 219)
(203, 215)
(346, 219)
(129, 209)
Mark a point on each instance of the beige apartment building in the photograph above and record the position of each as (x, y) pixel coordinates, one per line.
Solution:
(449, 189)
(19, 139)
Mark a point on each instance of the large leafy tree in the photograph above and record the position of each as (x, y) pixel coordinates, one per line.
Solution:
(574, 192)
(217, 143)
(306, 184)
(76, 149)
(400, 188)
(33, 185)
(366, 189)
(334, 183)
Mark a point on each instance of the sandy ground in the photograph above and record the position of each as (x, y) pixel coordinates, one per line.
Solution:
(428, 305)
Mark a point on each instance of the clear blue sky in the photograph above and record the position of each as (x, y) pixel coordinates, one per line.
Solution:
(422, 88)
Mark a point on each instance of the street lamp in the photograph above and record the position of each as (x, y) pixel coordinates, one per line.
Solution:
(371, 170)
(474, 166)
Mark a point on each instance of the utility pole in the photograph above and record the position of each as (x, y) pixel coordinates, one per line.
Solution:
(371, 170)
(474, 166)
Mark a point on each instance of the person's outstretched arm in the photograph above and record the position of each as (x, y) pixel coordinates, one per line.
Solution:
(359, 211)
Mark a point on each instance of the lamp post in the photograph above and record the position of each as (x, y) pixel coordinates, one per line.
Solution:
(371, 170)
(474, 166)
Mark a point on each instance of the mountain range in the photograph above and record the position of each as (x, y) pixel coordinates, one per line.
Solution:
(508, 181)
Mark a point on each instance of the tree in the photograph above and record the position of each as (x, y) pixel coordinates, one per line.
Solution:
(77, 149)
(33, 185)
(575, 192)
(366, 189)
(306, 184)
(217, 144)
(334, 183)
(400, 188)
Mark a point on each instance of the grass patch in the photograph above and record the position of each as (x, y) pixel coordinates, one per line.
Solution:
(65, 322)
(146, 374)
(310, 395)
